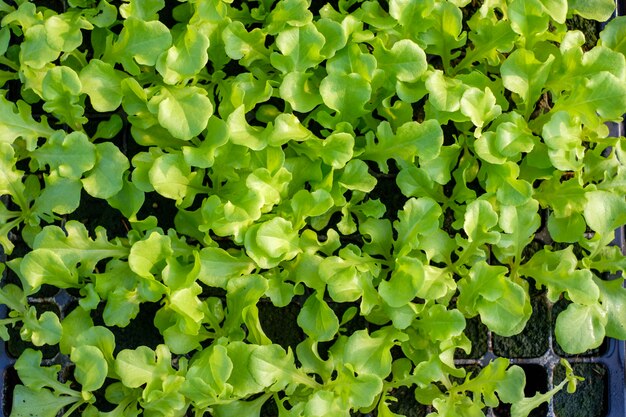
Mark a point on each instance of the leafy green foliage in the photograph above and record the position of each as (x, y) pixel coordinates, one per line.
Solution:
(384, 171)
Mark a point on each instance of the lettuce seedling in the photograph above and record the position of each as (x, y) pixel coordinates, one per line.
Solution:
(383, 167)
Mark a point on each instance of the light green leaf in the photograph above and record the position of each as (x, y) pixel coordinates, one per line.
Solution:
(580, 327)
(519, 224)
(557, 9)
(614, 35)
(363, 389)
(563, 135)
(105, 179)
(528, 19)
(186, 304)
(440, 324)
(91, 367)
(324, 403)
(16, 121)
(523, 74)
(35, 377)
(244, 46)
(504, 182)
(247, 90)
(306, 204)
(413, 139)
(60, 196)
(497, 382)
(5, 37)
(10, 177)
(185, 58)
(41, 403)
(301, 91)
(294, 13)
(105, 15)
(317, 319)
(446, 33)
(512, 138)
(272, 367)
(370, 354)
(121, 307)
(218, 265)
(601, 94)
(337, 149)
(356, 176)
(241, 133)
(146, 256)
(404, 284)
(70, 155)
(243, 294)
(136, 367)
(241, 408)
(128, 200)
(183, 111)
(418, 218)
(139, 42)
(171, 176)
(480, 106)
(604, 211)
(300, 48)
(241, 378)
(271, 242)
(35, 51)
(269, 188)
(203, 154)
(563, 197)
(208, 372)
(347, 94)
(108, 129)
(480, 217)
(342, 278)
(45, 330)
(613, 299)
(491, 39)
(103, 84)
(599, 10)
(503, 305)
(142, 9)
(558, 272)
(73, 244)
(405, 61)
(523, 407)
(566, 229)
(334, 33)
(60, 89)
(287, 127)
(45, 266)
(352, 60)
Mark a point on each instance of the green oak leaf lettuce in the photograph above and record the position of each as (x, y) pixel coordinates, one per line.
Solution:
(303, 205)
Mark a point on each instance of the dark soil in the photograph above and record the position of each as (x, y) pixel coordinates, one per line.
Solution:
(140, 331)
(591, 396)
(94, 212)
(280, 324)
(407, 405)
(477, 333)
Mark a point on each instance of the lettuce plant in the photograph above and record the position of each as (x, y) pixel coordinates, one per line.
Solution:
(394, 158)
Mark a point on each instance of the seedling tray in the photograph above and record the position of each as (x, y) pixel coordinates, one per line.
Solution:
(603, 394)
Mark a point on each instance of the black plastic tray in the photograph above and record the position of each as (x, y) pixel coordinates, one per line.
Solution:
(541, 370)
